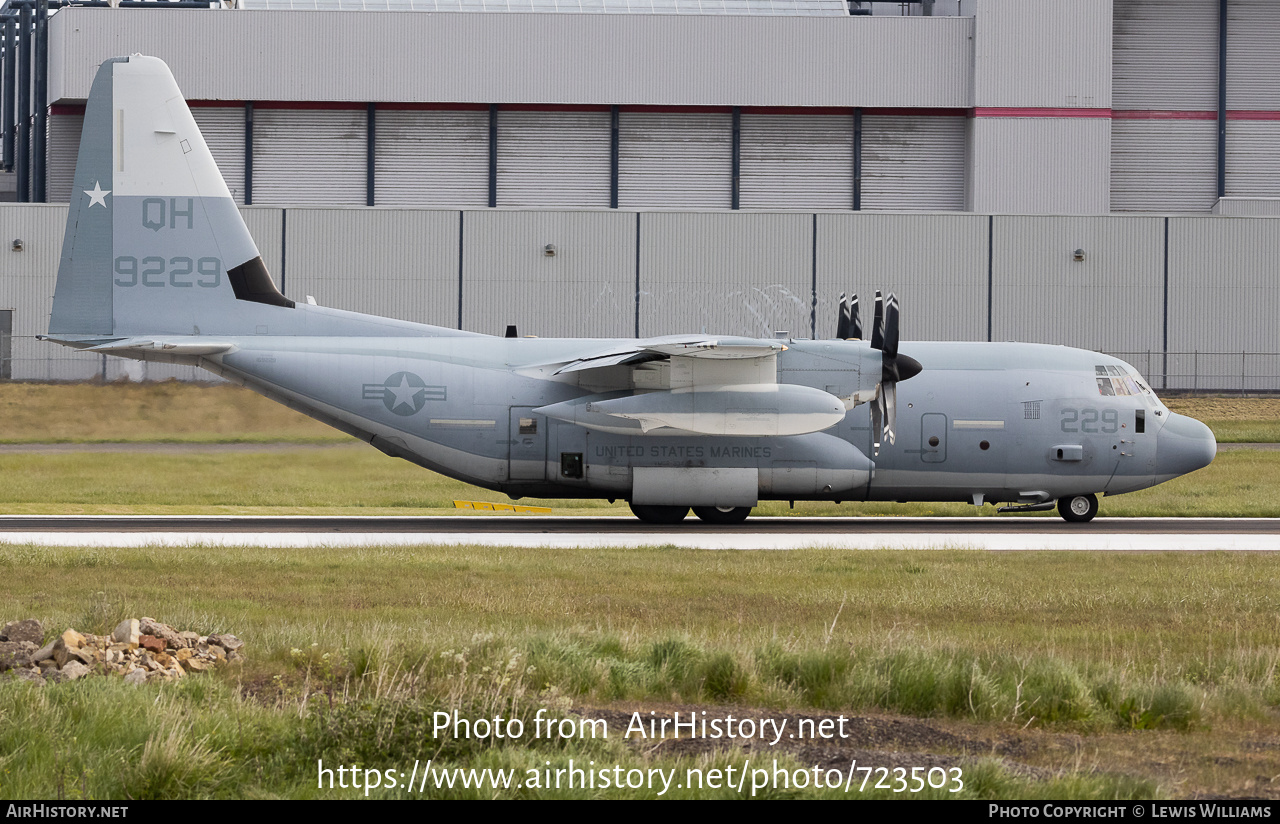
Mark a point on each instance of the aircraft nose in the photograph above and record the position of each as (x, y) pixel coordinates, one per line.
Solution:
(1184, 445)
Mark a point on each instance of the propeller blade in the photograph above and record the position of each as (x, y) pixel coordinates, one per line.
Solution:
(842, 319)
(890, 342)
(877, 421)
(877, 327)
(890, 395)
(855, 323)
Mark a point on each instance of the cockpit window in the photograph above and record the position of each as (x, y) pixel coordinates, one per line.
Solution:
(1116, 381)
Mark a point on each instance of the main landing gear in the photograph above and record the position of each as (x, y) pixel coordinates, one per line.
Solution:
(1078, 509)
(676, 514)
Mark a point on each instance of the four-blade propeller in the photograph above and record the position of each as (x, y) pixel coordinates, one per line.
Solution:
(894, 365)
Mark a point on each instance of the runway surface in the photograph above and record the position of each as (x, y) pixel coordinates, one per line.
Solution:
(991, 533)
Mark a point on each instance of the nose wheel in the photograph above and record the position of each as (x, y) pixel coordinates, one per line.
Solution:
(1078, 509)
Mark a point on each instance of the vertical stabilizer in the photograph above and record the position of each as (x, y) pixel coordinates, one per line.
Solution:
(155, 243)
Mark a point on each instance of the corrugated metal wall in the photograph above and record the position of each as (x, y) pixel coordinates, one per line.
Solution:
(1164, 139)
(1253, 158)
(744, 273)
(666, 60)
(553, 158)
(1163, 165)
(431, 158)
(1166, 55)
(937, 264)
(675, 160)
(794, 161)
(1043, 53)
(223, 131)
(1112, 300)
(1223, 297)
(913, 162)
(1062, 165)
(586, 289)
(1253, 96)
(1253, 40)
(63, 147)
(310, 156)
(400, 263)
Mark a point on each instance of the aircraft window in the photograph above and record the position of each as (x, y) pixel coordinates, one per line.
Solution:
(933, 440)
(571, 464)
(1140, 422)
(528, 426)
(985, 445)
(1104, 386)
(1100, 370)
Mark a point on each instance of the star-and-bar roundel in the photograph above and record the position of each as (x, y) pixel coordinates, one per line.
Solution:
(403, 393)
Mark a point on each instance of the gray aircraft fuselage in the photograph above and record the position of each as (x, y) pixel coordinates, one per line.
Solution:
(981, 422)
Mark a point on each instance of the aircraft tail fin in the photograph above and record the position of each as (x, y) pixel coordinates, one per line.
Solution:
(155, 244)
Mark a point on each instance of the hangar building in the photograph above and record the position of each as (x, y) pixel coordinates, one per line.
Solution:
(1098, 173)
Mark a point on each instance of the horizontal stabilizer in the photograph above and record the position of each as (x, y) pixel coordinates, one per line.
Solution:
(172, 346)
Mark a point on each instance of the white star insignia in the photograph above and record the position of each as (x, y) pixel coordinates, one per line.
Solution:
(404, 393)
(97, 196)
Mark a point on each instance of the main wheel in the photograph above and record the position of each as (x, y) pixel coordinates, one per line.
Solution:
(660, 514)
(722, 514)
(1078, 509)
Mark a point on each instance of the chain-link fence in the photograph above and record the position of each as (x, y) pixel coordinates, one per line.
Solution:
(1240, 373)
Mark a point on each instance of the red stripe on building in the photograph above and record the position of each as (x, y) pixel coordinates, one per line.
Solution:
(1154, 114)
(1247, 114)
(1038, 111)
(298, 104)
(901, 112)
(551, 107)
(433, 107)
(840, 111)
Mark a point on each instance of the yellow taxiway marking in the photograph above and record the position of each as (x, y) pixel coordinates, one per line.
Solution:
(485, 506)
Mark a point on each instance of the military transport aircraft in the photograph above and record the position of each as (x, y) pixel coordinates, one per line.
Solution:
(157, 264)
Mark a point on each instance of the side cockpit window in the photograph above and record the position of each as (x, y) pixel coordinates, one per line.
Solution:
(1117, 381)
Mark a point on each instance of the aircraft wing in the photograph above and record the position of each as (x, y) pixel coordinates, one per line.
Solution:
(707, 386)
(664, 348)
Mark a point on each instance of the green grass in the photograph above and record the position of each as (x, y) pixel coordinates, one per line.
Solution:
(351, 651)
(1234, 420)
(164, 412)
(362, 481)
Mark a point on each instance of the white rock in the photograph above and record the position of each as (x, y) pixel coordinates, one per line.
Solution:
(126, 632)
